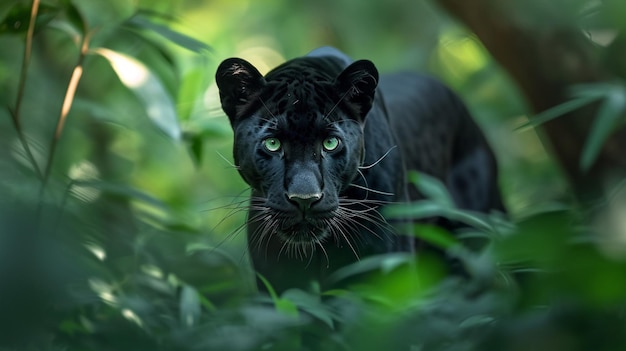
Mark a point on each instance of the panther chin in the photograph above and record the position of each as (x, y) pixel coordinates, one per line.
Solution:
(305, 233)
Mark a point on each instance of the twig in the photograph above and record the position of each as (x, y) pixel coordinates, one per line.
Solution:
(15, 113)
(65, 108)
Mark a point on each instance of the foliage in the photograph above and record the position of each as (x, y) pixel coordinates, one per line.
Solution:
(121, 218)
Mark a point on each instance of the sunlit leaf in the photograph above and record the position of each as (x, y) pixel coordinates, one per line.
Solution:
(191, 89)
(610, 113)
(148, 88)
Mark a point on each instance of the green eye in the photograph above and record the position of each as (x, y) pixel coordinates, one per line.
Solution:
(330, 144)
(272, 144)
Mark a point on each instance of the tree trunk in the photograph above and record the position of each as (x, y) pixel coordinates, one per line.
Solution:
(545, 53)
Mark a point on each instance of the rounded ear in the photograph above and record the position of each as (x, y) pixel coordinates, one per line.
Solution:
(238, 82)
(357, 86)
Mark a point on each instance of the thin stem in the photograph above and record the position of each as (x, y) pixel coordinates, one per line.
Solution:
(65, 108)
(15, 113)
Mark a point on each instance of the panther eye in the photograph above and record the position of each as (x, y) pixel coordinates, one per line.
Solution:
(330, 144)
(272, 144)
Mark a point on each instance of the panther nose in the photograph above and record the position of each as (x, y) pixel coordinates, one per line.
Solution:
(304, 201)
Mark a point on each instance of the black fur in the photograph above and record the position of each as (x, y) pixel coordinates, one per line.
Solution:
(314, 210)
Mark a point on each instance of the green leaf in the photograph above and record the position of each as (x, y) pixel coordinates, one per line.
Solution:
(432, 188)
(189, 306)
(76, 18)
(286, 307)
(182, 40)
(384, 263)
(196, 145)
(311, 304)
(556, 111)
(191, 89)
(609, 114)
(268, 287)
(428, 209)
(148, 88)
(435, 235)
(6, 7)
(16, 17)
(415, 210)
(121, 190)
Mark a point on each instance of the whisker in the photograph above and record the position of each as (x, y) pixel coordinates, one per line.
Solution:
(372, 190)
(349, 91)
(268, 110)
(336, 224)
(378, 221)
(319, 243)
(345, 237)
(380, 159)
(227, 161)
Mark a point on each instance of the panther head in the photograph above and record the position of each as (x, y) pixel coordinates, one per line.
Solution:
(298, 143)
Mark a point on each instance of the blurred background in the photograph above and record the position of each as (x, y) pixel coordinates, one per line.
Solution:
(121, 215)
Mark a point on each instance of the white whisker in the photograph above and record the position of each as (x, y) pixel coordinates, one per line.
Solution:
(372, 190)
(227, 161)
(380, 159)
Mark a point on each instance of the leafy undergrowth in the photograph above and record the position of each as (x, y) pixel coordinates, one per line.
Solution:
(104, 146)
(100, 277)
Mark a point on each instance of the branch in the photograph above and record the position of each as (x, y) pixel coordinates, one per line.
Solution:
(65, 108)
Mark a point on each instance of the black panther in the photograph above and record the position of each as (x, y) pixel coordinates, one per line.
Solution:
(325, 142)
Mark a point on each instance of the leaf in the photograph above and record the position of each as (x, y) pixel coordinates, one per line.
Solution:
(556, 111)
(432, 188)
(121, 190)
(609, 114)
(196, 145)
(6, 7)
(311, 304)
(286, 307)
(470, 218)
(192, 86)
(385, 263)
(415, 210)
(182, 40)
(75, 18)
(435, 235)
(268, 287)
(16, 17)
(148, 88)
(189, 306)
(428, 209)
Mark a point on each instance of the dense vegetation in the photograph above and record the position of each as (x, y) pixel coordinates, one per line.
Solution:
(121, 215)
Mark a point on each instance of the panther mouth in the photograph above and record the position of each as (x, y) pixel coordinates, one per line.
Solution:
(303, 231)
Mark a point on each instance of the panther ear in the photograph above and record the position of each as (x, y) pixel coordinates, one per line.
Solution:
(357, 85)
(239, 82)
